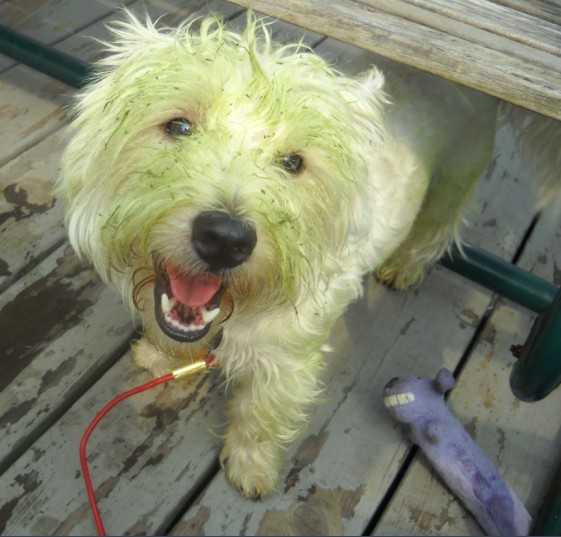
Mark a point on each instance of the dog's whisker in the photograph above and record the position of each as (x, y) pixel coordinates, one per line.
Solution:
(139, 286)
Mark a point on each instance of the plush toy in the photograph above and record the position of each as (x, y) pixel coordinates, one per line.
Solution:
(419, 402)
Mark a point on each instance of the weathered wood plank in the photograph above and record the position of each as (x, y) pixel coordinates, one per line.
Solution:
(31, 108)
(60, 326)
(341, 469)
(484, 23)
(547, 10)
(381, 31)
(31, 219)
(522, 439)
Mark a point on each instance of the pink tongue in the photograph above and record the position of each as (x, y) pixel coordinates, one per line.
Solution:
(194, 291)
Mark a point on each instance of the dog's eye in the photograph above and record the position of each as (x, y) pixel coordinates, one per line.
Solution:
(292, 163)
(179, 127)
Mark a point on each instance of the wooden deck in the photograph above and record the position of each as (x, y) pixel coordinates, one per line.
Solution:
(64, 342)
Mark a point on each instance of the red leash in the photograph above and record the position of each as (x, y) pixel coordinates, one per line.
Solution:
(195, 367)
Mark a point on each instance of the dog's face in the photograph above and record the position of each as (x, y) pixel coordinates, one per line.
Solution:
(207, 166)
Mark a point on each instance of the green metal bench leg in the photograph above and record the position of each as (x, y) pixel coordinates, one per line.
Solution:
(538, 371)
(500, 276)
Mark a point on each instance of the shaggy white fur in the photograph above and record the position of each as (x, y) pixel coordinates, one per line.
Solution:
(212, 175)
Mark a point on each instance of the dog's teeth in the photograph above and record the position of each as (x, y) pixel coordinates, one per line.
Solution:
(166, 304)
(209, 316)
(180, 326)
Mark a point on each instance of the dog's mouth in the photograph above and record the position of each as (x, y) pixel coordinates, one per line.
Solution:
(186, 305)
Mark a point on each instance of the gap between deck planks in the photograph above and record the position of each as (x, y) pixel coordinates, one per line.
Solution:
(161, 447)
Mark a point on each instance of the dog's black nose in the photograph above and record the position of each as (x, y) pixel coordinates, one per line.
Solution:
(221, 240)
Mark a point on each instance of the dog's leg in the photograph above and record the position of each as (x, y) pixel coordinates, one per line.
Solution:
(437, 224)
(151, 358)
(450, 130)
(267, 411)
(453, 184)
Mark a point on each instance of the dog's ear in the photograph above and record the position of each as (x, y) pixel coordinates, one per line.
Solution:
(365, 96)
(372, 81)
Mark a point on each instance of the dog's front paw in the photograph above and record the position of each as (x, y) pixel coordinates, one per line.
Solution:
(252, 468)
(400, 277)
(149, 357)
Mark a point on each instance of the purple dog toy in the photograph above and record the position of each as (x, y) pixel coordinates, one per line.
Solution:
(458, 459)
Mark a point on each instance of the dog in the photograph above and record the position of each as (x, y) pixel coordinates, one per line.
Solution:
(236, 191)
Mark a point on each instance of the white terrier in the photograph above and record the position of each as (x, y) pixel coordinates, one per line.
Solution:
(235, 189)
